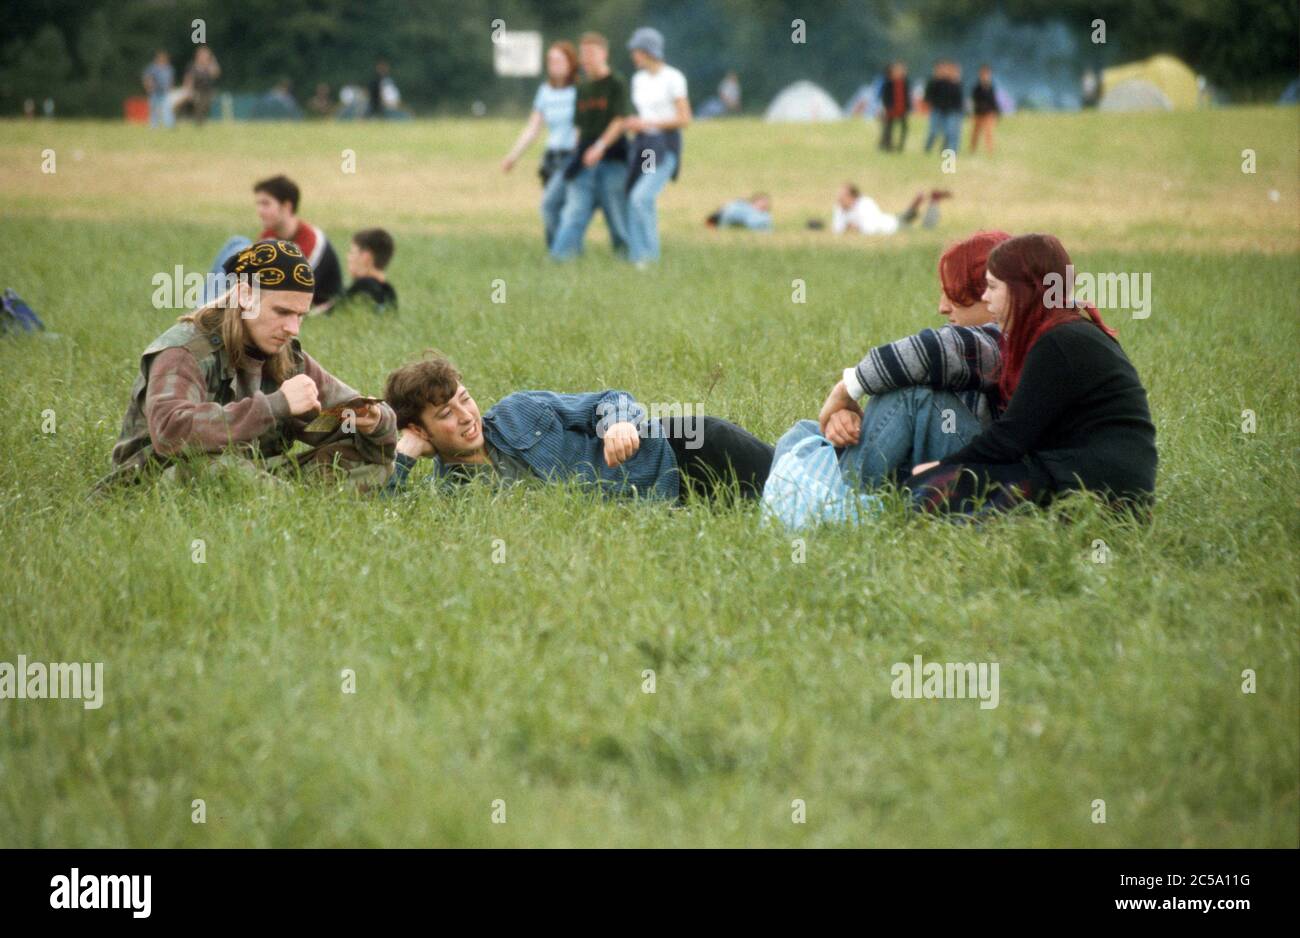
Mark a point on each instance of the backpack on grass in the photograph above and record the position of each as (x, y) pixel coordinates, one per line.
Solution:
(17, 316)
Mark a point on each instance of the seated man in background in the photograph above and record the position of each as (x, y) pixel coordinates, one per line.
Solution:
(754, 213)
(230, 386)
(602, 438)
(277, 202)
(368, 257)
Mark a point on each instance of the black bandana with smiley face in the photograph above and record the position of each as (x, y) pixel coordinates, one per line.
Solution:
(276, 264)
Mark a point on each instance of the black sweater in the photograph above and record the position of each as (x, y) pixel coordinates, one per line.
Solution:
(1080, 412)
(943, 94)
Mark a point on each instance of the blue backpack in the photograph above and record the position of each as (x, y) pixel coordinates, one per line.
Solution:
(17, 316)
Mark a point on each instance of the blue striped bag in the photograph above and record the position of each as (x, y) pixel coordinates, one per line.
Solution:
(806, 486)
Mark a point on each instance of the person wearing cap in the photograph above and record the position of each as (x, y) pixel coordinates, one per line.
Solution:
(596, 176)
(230, 387)
(659, 95)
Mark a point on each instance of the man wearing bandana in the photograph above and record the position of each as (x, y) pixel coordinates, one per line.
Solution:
(229, 386)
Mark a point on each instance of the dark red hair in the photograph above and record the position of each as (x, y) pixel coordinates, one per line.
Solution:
(1024, 264)
(961, 268)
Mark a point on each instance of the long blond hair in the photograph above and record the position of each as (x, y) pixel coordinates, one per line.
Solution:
(224, 317)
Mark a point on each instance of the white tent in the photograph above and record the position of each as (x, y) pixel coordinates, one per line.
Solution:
(803, 102)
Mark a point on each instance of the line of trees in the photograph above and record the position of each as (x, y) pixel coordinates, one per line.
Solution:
(88, 56)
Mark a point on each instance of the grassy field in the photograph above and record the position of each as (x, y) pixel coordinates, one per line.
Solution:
(523, 680)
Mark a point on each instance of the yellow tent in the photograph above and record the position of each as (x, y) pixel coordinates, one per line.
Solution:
(1168, 74)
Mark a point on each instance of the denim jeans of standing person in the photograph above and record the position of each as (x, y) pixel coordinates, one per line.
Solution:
(552, 206)
(554, 162)
(933, 131)
(642, 213)
(600, 186)
(946, 124)
(951, 121)
(160, 111)
(214, 283)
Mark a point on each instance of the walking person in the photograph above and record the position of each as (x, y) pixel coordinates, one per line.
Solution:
(663, 109)
(158, 79)
(895, 105)
(984, 103)
(201, 82)
(596, 176)
(943, 95)
(553, 107)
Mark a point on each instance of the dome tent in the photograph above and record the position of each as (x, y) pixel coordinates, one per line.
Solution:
(803, 102)
(1135, 94)
(1161, 82)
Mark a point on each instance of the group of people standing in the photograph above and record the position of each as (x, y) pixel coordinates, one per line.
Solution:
(590, 162)
(946, 101)
(197, 90)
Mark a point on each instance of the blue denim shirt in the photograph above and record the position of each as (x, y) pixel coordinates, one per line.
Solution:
(561, 437)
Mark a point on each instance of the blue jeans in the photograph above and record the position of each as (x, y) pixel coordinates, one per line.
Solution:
(642, 216)
(948, 125)
(212, 284)
(160, 112)
(952, 131)
(599, 186)
(552, 206)
(903, 428)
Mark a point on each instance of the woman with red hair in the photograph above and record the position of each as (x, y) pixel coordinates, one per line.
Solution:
(931, 393)
(1075, 415)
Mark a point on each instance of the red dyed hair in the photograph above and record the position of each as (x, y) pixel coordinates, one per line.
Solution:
(961, 268)
(1024, 264)
(570, 53)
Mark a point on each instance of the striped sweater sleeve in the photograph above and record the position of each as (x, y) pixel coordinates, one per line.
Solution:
(954, 358)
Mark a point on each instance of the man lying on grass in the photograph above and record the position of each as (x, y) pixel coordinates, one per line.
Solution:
(230, 382)
(603, 438)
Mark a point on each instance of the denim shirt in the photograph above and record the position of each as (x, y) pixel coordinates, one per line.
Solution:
(561, 437)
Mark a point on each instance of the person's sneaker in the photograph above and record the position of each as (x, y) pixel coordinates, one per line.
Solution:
(712, 220)
(937, 194)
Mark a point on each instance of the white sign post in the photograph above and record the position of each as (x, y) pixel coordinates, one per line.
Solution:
(517, 54)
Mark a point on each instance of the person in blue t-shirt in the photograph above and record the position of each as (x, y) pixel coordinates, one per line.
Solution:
(158, 80)
(553, 107)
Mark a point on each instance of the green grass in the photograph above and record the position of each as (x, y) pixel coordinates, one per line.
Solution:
(522, 680)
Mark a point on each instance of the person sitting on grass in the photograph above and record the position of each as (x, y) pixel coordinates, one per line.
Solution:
(277, 202)
(368, 257)
(230, 386)
(931, 393)
(1074, 415)
(754, 213)
(859, 213)
(602, 438)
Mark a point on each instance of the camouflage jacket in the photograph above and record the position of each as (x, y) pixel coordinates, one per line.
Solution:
(188, 398)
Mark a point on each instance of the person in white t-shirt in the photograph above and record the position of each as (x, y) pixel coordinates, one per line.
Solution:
(662, 110)
(859, 213)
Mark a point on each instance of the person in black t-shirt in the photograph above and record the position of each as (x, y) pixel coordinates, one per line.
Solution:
(1074, 414)
(943, 95)
(597, 176)
(984, 102)
(368, 256)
